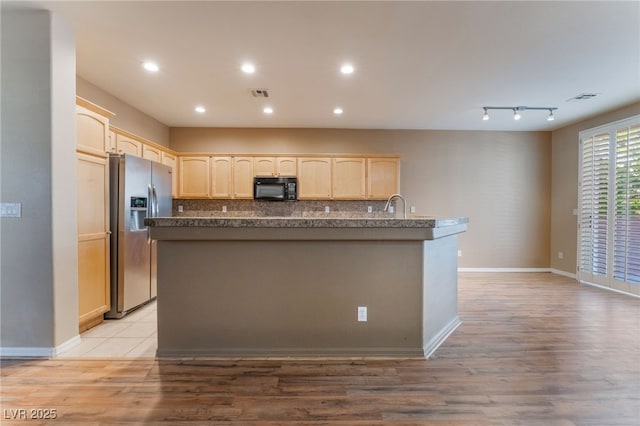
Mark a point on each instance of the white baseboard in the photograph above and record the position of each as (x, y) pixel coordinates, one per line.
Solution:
(73, 342)
(504, 269)
(564, 273)
(615, 290)
(38, 352)
(430, 347)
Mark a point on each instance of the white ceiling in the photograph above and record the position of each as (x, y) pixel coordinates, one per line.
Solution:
(418, 65)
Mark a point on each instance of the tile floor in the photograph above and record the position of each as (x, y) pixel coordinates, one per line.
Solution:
(134, 336)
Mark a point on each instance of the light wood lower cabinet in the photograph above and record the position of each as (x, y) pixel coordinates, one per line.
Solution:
(93, 239)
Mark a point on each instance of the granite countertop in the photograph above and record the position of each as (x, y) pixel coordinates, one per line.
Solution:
(302, 222)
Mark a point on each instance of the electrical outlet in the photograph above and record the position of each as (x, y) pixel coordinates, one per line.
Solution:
(413, 209)
(459, 253)
(224, 209)
(327, 209)
(180, 208)
(369, 209)
(391, 209)
(560, 255)
(362, 313)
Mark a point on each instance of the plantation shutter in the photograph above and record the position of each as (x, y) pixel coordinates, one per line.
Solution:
(626, 257)
(609, 206)
(594, 205)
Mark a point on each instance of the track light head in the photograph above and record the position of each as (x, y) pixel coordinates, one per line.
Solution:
(550, 117)
(485, 116)
(516, 114)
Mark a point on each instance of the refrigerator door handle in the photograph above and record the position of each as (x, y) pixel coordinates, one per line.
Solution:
(149, 210)
(155, 209)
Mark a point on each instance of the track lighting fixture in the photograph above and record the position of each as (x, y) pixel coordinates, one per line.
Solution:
(517, 111)
(516, 114)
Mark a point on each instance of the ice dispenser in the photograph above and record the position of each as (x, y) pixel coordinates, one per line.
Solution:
(138, 213)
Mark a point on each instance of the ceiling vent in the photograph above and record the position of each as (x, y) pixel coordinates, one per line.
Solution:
(583, 97)
(260, 93)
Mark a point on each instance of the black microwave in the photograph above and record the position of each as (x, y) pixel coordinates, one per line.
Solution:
(268, 188)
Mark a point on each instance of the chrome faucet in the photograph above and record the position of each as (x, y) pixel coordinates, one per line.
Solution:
(404, 203)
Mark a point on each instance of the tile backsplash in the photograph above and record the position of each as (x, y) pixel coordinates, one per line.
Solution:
(251, 208)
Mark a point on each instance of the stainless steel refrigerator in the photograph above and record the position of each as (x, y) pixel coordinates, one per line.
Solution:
(139, 188)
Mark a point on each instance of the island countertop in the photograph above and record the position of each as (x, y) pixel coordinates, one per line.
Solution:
(303, 222)
(295, 228)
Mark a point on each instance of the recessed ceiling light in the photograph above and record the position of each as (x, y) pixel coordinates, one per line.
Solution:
(268, 110)
(200, 109)
(248, 68)
(151, 66)
(337, 111)
(346, 69)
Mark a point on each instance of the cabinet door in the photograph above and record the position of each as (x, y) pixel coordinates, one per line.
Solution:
(314, 178)
(383, 178)
(93, 237)
(127, 145)
(243, 177)
(112, 142)
(220, 177)
(264, 166)
(151, 153)
(92, 131)
(348, 178)
(194, 177)
(170, 160)
(286, 166)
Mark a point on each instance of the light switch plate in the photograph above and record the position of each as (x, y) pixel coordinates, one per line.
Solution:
(11, 210)
(362, 313)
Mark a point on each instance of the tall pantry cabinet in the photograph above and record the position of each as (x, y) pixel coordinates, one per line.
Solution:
(93, 143)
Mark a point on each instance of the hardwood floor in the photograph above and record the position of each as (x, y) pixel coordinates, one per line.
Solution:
(533, 349)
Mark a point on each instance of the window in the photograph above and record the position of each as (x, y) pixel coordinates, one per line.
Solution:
(609, 204)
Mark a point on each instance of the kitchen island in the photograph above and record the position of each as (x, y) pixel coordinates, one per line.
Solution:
(287, 286)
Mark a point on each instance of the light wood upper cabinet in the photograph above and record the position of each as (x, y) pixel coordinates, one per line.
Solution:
(275, 166)
(314, 178)
(348, 178)
(383, 177)
(264, 166)
(286, 166)
(243, 174)
(112, 142)
(92, 131)
(171, 161)
(220, 177)
(128, 145)
(151, 153)
(195, 177)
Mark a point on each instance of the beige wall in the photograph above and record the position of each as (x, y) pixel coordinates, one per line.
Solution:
(500, 180)
(127, 117)
(38, 252)
(564, 196)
